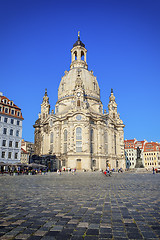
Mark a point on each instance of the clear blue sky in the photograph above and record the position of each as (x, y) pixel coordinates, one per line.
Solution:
(123, 42)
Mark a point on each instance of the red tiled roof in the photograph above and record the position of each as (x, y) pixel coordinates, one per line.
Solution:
(15, 107)
(128, 144)
(24, 151)
(151, 147)
(139, 144)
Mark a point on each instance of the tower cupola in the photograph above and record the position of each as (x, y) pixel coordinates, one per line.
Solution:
(45, 106)
(78, 54)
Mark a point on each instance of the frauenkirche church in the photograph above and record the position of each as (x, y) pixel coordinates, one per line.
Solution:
(79, 132)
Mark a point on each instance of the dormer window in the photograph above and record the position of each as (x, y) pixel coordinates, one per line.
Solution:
(18, 114)
(5, 101)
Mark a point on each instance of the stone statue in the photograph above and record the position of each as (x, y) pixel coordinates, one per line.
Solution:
(138, 152)
(139, 163)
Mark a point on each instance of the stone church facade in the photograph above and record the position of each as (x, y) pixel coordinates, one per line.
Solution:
(79, 132)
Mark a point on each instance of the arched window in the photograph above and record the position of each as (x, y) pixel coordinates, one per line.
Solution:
(82, 55)
(75, 55)
(65, 141)
(78, 139)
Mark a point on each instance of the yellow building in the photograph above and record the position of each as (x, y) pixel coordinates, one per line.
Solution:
(151, 155)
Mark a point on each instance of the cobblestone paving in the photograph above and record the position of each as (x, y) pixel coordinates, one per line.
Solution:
(81, 206)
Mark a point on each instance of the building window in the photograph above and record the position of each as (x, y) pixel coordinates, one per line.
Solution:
(106, 141)
(78, 103)
(65, 135)
(12, 112)
(94, 163)
(78, 146)
(91, 136)
(3, 154)
(18, 122)
(6, 110)
(65, 147)
(0, 109)
(17, 133)
(9, 155)
(4, 130)
(63, 162)
(12, 121)
(51, 137)
(115, 144)
(4, 143)
(65, 141)
(5, 120)
(16, 144)
(11, 131)
(10, 143)
(78, 139)
(18, 114)
(16, 155)
(51, 148)
(78, 133)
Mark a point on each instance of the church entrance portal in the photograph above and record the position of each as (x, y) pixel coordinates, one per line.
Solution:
(78, 165)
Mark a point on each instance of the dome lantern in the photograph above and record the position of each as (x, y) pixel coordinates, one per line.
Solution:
(78, 54)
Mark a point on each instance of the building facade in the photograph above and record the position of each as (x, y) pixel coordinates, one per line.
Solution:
(10, 131)
(28, 146)
(79, 132)
(130, 147)
(24, 156)
(151, 155)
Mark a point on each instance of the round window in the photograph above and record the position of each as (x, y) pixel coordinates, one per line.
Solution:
(78, 117)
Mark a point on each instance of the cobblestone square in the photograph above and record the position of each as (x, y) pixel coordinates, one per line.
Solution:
(87, 205)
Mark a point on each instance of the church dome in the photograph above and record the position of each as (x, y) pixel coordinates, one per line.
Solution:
(88, 83)
(79, 74)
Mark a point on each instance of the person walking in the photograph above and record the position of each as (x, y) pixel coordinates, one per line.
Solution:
(153, 170)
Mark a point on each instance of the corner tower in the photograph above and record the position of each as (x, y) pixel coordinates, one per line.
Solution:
(45, 106)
